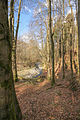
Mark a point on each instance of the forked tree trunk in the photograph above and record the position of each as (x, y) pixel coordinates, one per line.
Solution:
(9, 107)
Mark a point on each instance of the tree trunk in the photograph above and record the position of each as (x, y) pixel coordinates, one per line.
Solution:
(48, 56)
(63, 45)
(71, 30)
(51, 41)
(11, 26)
(79, 34)
(71, 51)
(15, 45)
(8, 106)
(60, 47)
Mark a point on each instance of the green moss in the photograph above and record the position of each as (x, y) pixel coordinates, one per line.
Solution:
(49, 78)
(16, 79)
(1, 31)
(1, 65)
(8, 69)
(4, 84)
(14, 112)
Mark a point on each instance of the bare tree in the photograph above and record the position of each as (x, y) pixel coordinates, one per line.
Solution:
(15, 45)
(51, 41)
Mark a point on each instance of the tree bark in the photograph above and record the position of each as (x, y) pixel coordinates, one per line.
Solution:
(63, 67)
(71, 30)
(51, 41)
(7, 92)
(48, 55)
(15, 45)
(60, 47)
(71, 51)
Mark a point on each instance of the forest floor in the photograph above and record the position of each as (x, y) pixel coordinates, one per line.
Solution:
(40, 101)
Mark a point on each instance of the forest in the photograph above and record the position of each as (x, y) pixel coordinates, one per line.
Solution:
(39, 59)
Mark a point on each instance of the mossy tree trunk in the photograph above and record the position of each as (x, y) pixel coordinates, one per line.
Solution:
(11, 28)
(17, 109)
(9, 107)
(11, 20)
(48, 55)
(15, 45)
(51, 41)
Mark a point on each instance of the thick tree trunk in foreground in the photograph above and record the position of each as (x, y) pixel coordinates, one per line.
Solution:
(9, 107)
(51, 41)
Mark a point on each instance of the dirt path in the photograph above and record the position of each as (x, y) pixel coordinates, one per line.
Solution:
(42, 102)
